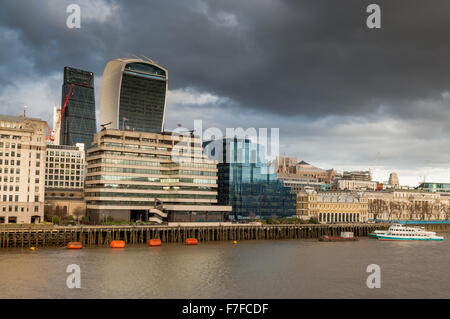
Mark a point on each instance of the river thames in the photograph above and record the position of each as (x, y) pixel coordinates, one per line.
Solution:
(249, 269)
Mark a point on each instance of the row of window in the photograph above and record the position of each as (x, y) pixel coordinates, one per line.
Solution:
(62, 172)
(10, 145)
(61, 153)
(135, 203)
(17, 162)
(63, 184)
(148, 171)
(150, 163)
(15, 198)
(147, 195)
(56, 165)
(11, 208)
(151, 179)
(128, 186)
(63, 160)
(130, 154)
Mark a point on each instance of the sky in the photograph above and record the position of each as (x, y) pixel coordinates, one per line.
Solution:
(342, 95)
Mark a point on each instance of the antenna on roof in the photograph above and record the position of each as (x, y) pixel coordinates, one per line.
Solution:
(135, 56)
(148, 59)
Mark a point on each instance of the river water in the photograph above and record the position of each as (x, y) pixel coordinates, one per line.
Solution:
(249, 269)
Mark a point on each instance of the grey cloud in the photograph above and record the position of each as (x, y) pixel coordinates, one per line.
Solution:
(339, 92)
(288, 57)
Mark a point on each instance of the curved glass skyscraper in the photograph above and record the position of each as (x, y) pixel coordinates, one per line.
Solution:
(133, 95)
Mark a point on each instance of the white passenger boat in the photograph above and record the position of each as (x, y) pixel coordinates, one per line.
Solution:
(377, 233)
(400, 232)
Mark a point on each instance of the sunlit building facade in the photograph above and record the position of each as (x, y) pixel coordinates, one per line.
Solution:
(22, 169)
(135, 176)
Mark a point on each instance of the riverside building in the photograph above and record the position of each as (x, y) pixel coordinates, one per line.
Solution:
(248, 183)
(133, 95)
(22, 169)
(164, 177)
(332, 207)
(64, 180)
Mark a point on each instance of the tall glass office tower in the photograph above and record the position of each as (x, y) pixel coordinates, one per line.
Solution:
(133, 95)
(78, 120)
(248, 183)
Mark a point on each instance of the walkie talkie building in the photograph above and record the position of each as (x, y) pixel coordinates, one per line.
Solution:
(78, 123)
(133, 95)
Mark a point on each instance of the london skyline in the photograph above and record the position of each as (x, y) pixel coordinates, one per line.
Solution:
(343, 96)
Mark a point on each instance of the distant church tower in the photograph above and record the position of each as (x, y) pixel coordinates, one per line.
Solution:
(393, 180)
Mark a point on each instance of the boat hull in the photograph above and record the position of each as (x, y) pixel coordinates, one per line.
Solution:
(409, 239)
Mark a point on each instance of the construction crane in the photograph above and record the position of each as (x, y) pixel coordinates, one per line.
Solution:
(51, 133)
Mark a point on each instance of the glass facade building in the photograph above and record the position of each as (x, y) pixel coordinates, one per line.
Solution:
(133, 95)
(78, 124)
(248, 183)
(435, 187)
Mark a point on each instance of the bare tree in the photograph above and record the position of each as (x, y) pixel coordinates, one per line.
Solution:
(78, 212)
(395, 210)
(377, 207)
(446, 211)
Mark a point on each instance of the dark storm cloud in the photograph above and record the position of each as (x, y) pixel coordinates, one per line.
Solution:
(289, 57)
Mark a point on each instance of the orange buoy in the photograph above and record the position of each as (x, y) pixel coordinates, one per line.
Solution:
(154, 242)
(191, 241)
(117, 244)
(74, 245)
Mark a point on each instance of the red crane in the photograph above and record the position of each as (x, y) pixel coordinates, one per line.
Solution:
(51, 133)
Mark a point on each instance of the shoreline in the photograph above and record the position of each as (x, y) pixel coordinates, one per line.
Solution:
(59, 236)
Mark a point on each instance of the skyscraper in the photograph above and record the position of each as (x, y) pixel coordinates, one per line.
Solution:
(78, 120)
(133, 95)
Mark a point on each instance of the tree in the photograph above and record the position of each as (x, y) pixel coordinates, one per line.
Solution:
(79, 212)
(377, 207)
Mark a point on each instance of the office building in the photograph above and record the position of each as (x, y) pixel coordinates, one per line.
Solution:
(332, 207)
(22, 169)
(133, 95)
(142, 176)
(248, 183)
(64, 180)
(435, 187)
(288, 167)
(344, 184)
(408, 204)
(298, 184)
(363, 176)
(78, 123)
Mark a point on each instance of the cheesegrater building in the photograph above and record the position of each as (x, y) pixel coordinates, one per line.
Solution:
(78, 123)
(133, 95)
